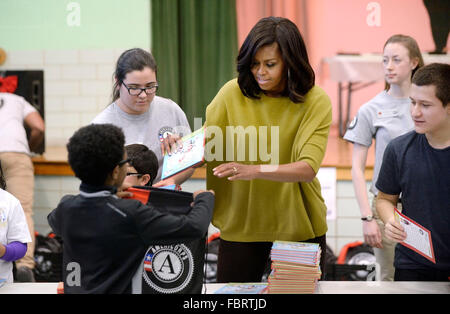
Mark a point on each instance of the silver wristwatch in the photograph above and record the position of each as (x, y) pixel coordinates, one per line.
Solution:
(367, 218)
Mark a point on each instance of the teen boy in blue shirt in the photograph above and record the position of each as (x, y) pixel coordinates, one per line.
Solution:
(416, 165)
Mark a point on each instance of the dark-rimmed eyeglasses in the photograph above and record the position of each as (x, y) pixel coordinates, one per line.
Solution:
(134, 174)
(122, 162)
(136, 91)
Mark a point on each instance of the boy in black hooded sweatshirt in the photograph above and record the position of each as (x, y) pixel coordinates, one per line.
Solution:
(104, 236)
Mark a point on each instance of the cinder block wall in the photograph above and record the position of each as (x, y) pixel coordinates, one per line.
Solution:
(77, 85)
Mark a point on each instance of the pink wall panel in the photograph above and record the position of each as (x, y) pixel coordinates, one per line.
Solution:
(332, 26)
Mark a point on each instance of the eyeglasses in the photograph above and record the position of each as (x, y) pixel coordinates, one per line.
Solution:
(136, 91)
(122, 162)
(134, 174)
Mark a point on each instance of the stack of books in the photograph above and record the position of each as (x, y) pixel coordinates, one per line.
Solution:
(295, 267)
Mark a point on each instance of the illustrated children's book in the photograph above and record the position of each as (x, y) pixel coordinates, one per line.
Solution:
(191, 153)
(297, 252)
(243, 288)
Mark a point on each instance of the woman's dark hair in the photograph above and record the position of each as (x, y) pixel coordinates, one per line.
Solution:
(94, 151)
(300, 76)
(135, 59)
(2, 178)
(143, 160)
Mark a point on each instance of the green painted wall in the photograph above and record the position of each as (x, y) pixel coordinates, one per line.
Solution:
(81, 24)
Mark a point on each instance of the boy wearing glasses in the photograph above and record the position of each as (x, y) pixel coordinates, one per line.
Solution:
(105, 236)
(143, 165)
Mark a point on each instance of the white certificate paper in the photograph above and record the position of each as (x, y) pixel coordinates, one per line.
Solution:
(418, 238)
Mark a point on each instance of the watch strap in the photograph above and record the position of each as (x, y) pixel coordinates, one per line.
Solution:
(367, 218)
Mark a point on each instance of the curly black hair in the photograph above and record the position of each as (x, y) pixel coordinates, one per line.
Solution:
(143, 160)
(94, 151)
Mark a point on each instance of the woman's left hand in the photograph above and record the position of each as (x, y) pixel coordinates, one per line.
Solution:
(236, 171)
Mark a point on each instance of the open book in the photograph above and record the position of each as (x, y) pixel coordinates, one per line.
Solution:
(190, 154)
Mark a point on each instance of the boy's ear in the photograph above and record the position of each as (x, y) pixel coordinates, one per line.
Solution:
(112, 177)
(115, 173)
(145, 179)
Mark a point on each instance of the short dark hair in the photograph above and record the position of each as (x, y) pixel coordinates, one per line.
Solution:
(94, 151)
(143, 160)
(135, 59)
(437, 74)
(2, 178)
(300, 76)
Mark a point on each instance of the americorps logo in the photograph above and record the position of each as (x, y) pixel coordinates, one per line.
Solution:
(168, 268)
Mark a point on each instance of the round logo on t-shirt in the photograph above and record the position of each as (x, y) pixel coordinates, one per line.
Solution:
(352, 124)
(164, 131)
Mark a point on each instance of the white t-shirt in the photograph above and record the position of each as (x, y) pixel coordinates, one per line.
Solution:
(13, 228)
(13, 110)
(163, 116)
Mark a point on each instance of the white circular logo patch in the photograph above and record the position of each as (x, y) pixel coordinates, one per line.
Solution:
(353, 123)
(167, 265)
(168, 268)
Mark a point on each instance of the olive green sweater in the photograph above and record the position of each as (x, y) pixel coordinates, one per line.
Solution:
(267, 131)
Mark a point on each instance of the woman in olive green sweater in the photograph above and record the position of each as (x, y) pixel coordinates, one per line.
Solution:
(267, 135)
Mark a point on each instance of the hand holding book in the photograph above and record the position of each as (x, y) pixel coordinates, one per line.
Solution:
(189, 152)
(171, 143)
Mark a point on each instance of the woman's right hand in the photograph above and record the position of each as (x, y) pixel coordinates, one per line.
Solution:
(372, 234)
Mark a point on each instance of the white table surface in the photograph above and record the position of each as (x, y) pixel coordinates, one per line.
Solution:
(324, 287)
(29, 288)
